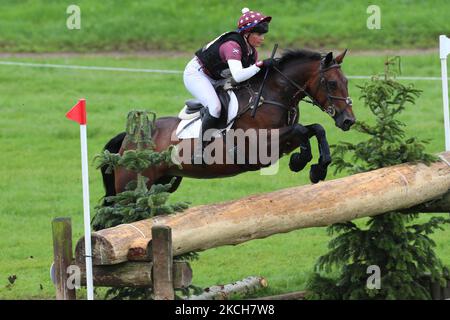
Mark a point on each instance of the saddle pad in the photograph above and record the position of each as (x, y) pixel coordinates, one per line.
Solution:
(193, 130)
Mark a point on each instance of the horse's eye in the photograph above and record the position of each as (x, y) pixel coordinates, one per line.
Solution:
(332, 84)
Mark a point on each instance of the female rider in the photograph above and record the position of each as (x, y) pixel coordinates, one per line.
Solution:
(232, 53)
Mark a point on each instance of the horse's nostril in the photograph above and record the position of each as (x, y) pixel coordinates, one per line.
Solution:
(348, 123)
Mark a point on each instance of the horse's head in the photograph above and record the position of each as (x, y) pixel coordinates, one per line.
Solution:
(328, 88)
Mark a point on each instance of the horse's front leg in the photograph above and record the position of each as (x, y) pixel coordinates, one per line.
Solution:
(318, 171)
(298, 136)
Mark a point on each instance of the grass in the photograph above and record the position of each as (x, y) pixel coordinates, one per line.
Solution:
(40, 25)
(41, 176)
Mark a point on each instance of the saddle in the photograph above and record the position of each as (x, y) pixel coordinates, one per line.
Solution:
(222, 87)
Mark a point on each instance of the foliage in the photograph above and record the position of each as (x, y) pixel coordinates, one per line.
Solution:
(137, 202)
(403, 251)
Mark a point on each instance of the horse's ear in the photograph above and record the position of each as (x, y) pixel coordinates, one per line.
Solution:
(340, 57)
(328, 58)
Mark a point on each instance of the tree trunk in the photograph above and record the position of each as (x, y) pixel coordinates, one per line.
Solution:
(258, 216)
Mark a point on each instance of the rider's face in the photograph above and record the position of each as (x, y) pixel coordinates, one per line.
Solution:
(256, 39)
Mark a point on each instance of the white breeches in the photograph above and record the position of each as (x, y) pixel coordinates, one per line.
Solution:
(201, 87)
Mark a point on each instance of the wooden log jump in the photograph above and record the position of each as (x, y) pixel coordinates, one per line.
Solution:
(162, 274)
(401, 187)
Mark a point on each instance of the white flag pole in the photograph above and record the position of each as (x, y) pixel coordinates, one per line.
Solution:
(86, 210)
(444, 50)
(78, 114)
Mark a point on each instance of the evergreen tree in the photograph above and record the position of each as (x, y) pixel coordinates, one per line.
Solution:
(402, 250)
(137, 202)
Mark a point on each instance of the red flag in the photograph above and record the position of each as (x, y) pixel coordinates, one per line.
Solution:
(78, 112)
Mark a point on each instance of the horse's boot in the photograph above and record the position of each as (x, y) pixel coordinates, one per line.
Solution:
(208, 122)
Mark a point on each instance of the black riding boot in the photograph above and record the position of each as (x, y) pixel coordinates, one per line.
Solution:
(208, 122)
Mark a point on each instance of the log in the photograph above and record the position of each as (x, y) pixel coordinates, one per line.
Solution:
(258, 216)
(298, 295)
(138, 250)
(223, 292)
(135, 274)
(439, 205)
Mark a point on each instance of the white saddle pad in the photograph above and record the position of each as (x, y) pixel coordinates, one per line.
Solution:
(193, 130)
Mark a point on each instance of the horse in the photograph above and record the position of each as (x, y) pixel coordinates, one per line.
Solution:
(298, 74)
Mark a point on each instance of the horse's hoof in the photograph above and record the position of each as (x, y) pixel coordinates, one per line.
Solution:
(317, 173)
(298, 161)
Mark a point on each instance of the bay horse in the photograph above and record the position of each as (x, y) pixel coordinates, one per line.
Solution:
(299, 74)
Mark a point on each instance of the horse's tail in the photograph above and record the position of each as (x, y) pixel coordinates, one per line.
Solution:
(112, 146)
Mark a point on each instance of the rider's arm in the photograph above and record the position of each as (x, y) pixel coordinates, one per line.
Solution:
(230, 52)
(240, 74)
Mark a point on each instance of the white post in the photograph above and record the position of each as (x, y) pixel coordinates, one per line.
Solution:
(86, 210)
(444, 50)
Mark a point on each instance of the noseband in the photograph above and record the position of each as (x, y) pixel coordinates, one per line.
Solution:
(330, 109)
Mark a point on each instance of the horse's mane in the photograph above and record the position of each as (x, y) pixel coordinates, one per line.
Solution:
(300, 55)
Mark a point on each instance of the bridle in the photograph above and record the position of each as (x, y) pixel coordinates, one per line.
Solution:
(330, 108)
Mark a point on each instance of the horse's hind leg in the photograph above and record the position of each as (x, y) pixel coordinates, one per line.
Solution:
(112, 146)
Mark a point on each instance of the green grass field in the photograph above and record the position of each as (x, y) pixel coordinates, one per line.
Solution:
(41, 176)
(40, 25)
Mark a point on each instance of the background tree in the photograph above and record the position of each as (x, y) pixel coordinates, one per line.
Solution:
(403, 250)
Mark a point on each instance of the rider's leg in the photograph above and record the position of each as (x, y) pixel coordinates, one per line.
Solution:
(200, 86)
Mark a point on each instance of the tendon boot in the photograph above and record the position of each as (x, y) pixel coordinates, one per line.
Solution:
(208, 122)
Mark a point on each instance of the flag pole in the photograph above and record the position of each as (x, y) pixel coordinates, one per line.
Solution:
(78, 114)
(86, 210)
(444, 50)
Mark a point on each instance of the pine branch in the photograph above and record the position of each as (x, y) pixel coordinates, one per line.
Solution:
(137, 202)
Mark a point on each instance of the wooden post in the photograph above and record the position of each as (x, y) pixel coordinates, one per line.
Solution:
(162, 263)
(62, 252)
(446, 293)
(435, 290)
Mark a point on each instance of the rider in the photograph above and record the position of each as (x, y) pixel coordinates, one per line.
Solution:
(231, 54)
